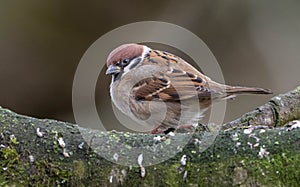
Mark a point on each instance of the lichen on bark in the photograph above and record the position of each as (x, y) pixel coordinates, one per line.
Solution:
(255, 157)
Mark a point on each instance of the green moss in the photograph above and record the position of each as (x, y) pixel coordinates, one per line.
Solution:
(13, 140)
(216, 166)
(11, 168)
(175, 175)
(48, 174)
(17, 171)
(246, 118)
(79, 170)
(10, 155)
(278, 170)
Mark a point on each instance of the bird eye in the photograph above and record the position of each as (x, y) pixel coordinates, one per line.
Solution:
(125, 62)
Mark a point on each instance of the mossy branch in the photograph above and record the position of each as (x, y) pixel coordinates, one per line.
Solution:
(50, 153)
(277, 112)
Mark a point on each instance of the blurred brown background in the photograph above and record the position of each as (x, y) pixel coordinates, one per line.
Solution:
(256, 43)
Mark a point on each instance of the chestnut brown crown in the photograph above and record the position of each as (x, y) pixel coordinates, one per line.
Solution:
(125, 51)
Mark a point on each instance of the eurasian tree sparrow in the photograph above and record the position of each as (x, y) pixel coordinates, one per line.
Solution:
(161, 90)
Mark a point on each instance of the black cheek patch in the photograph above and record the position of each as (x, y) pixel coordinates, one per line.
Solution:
(117, 76)
(134, 62)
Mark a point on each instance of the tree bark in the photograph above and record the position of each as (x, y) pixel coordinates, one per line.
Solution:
(42, 152)
(277, 112)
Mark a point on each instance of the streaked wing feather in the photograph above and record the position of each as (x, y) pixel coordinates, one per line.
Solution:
(177, 82)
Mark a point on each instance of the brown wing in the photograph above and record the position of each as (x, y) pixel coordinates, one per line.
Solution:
(176, 81)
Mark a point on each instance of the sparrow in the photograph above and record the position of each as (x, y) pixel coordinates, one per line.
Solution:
(160, 90)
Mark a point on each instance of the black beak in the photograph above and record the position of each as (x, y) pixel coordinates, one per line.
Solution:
(113, 69)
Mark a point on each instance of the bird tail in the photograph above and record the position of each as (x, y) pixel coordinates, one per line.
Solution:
(246, 90)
